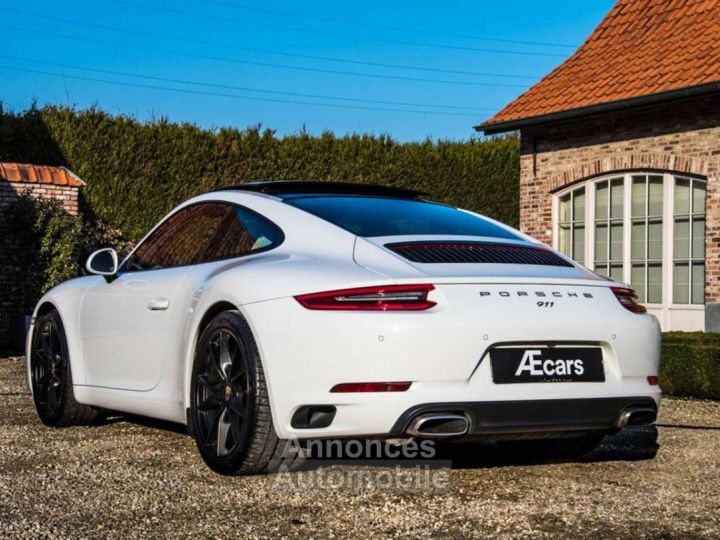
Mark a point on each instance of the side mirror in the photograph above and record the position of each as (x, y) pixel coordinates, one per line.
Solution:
(104, 262)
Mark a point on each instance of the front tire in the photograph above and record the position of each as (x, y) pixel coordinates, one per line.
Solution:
(51, 376)
(230, 413)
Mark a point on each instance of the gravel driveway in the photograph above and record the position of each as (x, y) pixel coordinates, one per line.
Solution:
(136, 479)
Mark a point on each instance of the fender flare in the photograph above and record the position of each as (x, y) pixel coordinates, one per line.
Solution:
(207, 308)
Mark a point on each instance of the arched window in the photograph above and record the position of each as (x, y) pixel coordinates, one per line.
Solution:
(646, 229)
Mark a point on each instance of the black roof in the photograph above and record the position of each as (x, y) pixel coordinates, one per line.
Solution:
(282, 188)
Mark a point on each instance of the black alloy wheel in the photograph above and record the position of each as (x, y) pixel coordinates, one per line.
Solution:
(48, 369)
(51, 376)
(223, 393)
(230, 415)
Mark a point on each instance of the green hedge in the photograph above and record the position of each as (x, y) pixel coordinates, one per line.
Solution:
(137, 171)
(45, 247)
(691, 364)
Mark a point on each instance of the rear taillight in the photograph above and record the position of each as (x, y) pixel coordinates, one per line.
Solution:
(628, 299)
(381, 298)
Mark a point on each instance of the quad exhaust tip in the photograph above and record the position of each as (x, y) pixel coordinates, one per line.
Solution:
(636, 416)
(439, 425)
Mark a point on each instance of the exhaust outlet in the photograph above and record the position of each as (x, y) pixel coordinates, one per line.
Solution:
(636, 416)
(439, 425)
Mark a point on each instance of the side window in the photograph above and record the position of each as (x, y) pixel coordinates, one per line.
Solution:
(241, 232)
(204, 232)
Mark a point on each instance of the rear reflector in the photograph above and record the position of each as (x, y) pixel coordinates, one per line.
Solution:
(628, 299)
(653, 380)
(381, 298)
(371, 387)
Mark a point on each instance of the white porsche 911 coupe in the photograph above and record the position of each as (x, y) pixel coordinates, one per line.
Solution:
(299, 310)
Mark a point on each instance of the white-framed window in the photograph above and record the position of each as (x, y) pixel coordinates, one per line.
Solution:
(643, 228)
(689, 241)
(571, 224)
(609, 227)
(646, 236)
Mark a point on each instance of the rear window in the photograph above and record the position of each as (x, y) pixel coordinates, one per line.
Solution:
(378, 216)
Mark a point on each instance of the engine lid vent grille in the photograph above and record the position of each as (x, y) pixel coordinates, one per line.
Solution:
(476, 252)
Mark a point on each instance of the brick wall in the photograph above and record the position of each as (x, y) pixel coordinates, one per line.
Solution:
(9, 191)
(681, 137)
(68, 196)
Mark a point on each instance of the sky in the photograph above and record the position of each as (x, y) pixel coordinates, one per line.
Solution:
(409, 69)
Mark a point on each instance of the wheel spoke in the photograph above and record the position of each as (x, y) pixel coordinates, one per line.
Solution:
(53, 393)
(238, 367)
(235, 406)
(225, 356)
(57, 362)
(53, 341)
(210, 425)
(222, 434)
(211, 394)
(214, 363)
(214, 389)
(45, 341)
(236, 423)
(44, 356)
(210, 404)
(44, 380)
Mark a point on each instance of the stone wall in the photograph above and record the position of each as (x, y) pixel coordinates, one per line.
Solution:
(67, 195)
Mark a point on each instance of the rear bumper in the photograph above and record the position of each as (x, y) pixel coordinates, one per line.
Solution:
(535, 416)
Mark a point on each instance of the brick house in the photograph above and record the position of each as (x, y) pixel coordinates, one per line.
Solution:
(620, 156)
(42, 182)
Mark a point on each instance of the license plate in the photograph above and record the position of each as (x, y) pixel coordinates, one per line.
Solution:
(547, 364)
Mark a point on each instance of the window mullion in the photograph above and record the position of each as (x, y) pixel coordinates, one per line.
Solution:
(590, 225)
(646, 252)
(690, 242)
(627, 227)
(606, 219)
(669, 239)
(606, 222)
(572, 226)
(556, 222)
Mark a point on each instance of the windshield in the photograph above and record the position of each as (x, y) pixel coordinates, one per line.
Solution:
(379, 216)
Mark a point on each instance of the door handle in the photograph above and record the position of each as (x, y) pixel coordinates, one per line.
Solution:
(159, 304)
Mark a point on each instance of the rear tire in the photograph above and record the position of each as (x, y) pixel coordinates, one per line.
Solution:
(230, 412)
(51, 376)
(551, 449)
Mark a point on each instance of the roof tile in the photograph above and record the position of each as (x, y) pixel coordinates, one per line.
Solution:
(642, 47)
(38, 174)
